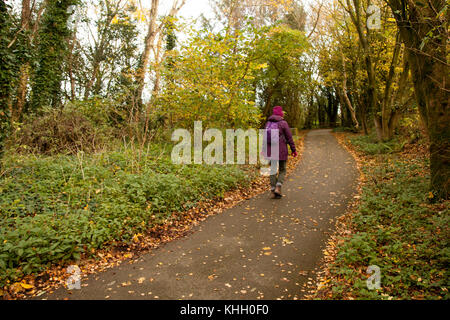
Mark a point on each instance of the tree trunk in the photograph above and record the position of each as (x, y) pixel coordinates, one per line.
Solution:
(70, 66)
(145, 56)
(387, 114)
(332, 107)
(363, 40)
(25, 68)
(159, 58)
(363, 114)
(153, 30)
(46, 89)
(22, 90)
(345, 96)
(428, 60)
(268, 106)
(433, 103)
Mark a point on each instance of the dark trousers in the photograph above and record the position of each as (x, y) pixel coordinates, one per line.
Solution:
(274, 178)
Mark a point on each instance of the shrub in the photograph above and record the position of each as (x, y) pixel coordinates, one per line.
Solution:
(59, 132)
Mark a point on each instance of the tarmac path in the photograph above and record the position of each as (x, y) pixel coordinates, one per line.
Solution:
(260, 249)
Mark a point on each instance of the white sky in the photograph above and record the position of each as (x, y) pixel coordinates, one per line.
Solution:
(193, 8)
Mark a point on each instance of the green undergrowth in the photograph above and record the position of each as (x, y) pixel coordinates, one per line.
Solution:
(344, 129)
(369, 145)
(397, 229)
(53, 209)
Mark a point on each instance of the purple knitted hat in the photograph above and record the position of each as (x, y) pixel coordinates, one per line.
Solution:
(278, 111)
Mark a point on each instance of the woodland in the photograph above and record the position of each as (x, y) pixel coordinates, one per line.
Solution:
(91, 91)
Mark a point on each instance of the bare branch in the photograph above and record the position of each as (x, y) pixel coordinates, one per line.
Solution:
(317, 20)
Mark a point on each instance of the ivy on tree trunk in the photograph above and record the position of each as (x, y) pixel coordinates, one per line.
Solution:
(46, 89)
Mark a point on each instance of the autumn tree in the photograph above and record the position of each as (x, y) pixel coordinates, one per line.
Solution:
(220, 89)
(339, 64)
(371, 77)
(283, 81)
(375, 44)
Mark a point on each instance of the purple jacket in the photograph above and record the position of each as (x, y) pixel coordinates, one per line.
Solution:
(284, 139)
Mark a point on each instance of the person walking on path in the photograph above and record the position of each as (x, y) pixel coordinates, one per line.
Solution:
(277, 122)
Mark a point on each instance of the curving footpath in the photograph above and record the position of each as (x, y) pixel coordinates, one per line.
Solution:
(260, 249)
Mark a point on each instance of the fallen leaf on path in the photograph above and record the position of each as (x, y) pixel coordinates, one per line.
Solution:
(141, 280)
(26, 285)
(16, 288)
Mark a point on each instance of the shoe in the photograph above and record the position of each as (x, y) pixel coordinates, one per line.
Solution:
(277, 191)
(272, 193)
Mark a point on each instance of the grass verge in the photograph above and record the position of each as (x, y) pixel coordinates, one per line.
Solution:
(53, 209)
(393, 226)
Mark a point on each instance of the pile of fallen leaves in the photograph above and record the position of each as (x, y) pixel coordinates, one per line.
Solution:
(408, 241)
(178, 225)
